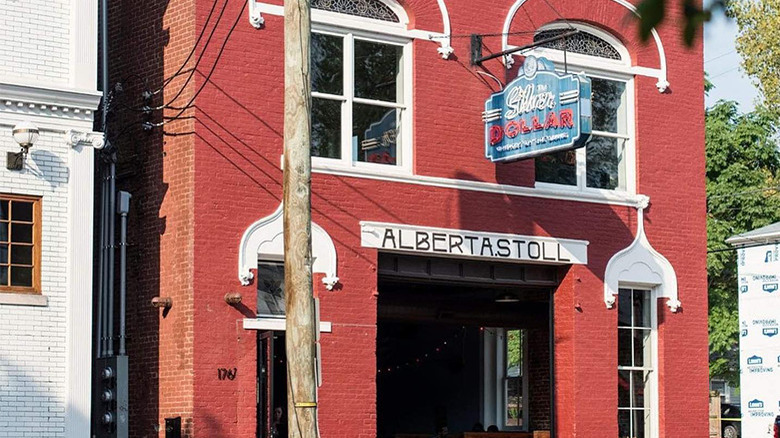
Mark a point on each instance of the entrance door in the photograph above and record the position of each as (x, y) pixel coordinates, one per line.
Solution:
(271, 385)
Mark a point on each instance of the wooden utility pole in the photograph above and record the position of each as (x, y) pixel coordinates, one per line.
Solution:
(299, 299)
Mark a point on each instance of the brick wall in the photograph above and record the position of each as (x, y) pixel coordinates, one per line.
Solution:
(200, 191)
(35, 37)
(150, 41)
(33, 339)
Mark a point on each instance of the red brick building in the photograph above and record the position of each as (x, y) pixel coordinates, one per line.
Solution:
(529, 295)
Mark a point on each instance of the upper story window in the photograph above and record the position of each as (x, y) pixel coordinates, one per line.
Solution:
(20, 244)
(607, 160)
(361, 91)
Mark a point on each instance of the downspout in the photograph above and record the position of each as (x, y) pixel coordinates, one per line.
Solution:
(551, 325)
(123, 209)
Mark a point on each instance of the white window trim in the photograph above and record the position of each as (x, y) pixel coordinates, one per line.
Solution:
(493, 391)
(404, 154)
(604, 69)
(653, 384)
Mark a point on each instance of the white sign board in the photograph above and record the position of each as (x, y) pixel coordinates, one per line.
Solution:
(473, 244)
(759, 346)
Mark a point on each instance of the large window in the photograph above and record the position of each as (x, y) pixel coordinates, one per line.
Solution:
(605, 161)
(505, 378)
(360, 115)
(635, 364)
(514, 390)
(20, 244)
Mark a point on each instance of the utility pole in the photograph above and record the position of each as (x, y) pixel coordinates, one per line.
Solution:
(299, 298)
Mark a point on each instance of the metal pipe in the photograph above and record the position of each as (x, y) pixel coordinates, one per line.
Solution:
(551, 325)
(99, 331)
(104, 272)
(482, 59)
(111, 216)
(123, 209)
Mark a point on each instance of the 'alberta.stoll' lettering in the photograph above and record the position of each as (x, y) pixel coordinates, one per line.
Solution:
(473, 244)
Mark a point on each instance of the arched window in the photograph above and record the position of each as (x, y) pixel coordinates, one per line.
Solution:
(373, 9)
(607, 161)
(361, 87)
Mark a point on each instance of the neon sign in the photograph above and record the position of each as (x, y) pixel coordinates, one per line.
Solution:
(539, 112)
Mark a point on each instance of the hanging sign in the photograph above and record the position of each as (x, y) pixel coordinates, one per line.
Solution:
(539, 112)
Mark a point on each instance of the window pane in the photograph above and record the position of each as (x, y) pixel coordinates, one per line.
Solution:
(513, 352)
(624, 347)
(603, 161)
(639, 423)
(21, 276)
(21, 233)
(376, 71)
(608, 115)
(270, 289)
(21, 255)
(374, 133)
(22, 211)
(3, 275)
(326, 128)
(4, 254)
(514, 404)
(642, 347)
(327, 63)
(4, 231)
(638, 383)
(624, 308)
(4, 210)
(624, 389)
(557, 168)
(624, 424)
(641, 307)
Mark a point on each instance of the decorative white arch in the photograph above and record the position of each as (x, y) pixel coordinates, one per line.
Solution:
(264, 239)
(659, 73)
(257, 9)
(641, 265)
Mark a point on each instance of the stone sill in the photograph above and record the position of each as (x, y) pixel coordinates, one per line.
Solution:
(20, 299)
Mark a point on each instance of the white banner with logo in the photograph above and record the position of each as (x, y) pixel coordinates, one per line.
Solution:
(759, 347)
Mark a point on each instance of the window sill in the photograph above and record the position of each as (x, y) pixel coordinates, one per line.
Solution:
(551, 191)
(22, 299)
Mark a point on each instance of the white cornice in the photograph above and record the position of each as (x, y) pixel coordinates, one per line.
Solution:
(78, 104)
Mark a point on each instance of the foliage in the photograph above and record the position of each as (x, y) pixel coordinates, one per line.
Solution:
(742, 194)
(653, 12)
(759, 44)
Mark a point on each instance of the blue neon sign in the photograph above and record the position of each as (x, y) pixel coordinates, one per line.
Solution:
(539, 112)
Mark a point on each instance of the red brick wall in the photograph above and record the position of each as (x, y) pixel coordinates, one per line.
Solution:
(212, 184)
(149, 41)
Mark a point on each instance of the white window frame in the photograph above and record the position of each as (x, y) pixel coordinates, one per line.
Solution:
(652, 388)
(348, 160)
(603, 68)
(494, 379)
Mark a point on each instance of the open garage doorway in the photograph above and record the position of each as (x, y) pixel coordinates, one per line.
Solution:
(463, 346)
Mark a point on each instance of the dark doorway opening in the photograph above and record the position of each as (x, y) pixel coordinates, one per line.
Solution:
(271, 385)
(465, 352)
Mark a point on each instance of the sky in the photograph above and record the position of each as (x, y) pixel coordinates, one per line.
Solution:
(721, 61)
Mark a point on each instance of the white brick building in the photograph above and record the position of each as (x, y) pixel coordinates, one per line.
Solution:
(48, 55)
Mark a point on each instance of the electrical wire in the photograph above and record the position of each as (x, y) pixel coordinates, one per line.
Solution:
(211, 71)
(194, 47)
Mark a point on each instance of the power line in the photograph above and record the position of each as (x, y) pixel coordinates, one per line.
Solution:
(720, 56)
(723, 72)
(194, 47)
(213, 67)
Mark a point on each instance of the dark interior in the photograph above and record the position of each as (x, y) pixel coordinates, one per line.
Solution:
(431, 313)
